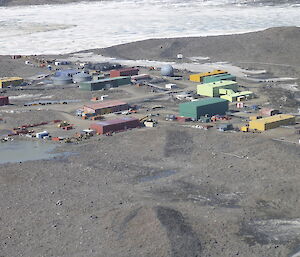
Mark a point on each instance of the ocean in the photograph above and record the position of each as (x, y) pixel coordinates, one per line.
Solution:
(58, 29)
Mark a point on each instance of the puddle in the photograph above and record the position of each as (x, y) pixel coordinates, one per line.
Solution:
(157, 175)
(21, 151)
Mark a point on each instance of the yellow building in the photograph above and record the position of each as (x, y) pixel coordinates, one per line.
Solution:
(11, 81)
(271, 122)
(199, 76)
(238, 96)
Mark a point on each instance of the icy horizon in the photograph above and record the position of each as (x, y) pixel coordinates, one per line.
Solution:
(59, 29)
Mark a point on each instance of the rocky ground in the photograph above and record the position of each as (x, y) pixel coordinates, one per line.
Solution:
(275, 48)
(169, 191)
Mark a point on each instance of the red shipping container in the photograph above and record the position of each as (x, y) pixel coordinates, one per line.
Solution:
(4, 100)
(109, 126)
(183, 119)
(124, 72)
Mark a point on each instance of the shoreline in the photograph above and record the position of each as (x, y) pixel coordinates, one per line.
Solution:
(138, 41)
(14, 3)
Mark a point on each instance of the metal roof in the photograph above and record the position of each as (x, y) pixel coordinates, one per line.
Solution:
(243, 93)
(220, 83)
(222, 75)
(62, 77)
(82, 75)
(125, 69)
(106, 80)
(115, 121)
(66, 72)
(214, 72)
(204, 101)
(4, 79)
(274, 118)
(105, 104)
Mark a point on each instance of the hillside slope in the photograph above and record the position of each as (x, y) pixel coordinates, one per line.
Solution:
(275, 45)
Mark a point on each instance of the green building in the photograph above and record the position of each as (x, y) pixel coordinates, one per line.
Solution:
(215, 89)
(206, 106)
(104, 83)
(215, 78)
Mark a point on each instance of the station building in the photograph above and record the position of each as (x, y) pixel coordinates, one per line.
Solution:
(104, 83)
(10, 81)
(225, 89)
(215, 89)
(124, 72)
(105, 107)
(271, 122)
(205, 106)
(215, 78)
(199, 76)
(238, 96)
(115, 125)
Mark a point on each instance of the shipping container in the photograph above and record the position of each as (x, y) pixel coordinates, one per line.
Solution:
(124, 72)
(4, 100)
(203, 107)
(41, 135)
(115, 125)
(105, 107)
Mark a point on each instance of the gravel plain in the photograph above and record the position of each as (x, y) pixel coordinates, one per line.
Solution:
(169, 191)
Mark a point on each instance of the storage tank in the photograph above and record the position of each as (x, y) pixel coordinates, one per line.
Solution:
(81, 77)
(68, 72)
(62, 80)
(167, 70)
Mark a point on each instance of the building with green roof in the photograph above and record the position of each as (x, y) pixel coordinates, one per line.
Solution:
(206, 106)
(218, 77)
(104, 83)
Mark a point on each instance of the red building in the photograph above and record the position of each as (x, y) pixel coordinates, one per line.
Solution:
(4, 100)
(110, 126)
(124, 72)
(106, 107)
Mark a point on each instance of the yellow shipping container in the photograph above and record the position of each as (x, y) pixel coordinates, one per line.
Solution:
(271, 122)
(198, 77)
(12, 81)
